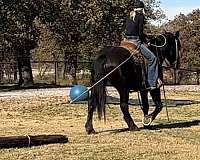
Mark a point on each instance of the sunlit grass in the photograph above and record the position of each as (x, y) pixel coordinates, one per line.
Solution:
(177, 139)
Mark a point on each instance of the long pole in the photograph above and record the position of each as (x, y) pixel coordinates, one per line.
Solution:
(166, 107)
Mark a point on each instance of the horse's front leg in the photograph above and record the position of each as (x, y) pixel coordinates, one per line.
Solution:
(156, 97)
(145, 108)
(88, 125)
(144, 102)
(124, 97)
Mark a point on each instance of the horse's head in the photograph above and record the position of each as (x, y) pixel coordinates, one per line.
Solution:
(167, 47)
(172, 48)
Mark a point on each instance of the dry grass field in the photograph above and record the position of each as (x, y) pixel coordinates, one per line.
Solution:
(178, 139)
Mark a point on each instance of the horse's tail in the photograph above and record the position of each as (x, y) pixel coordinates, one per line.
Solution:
(98, 92)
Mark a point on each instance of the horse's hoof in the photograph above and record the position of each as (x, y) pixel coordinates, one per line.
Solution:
(147, 121)
(92, 131)
(134, 128)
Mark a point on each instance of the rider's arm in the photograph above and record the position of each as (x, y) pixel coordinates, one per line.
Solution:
(141, 28)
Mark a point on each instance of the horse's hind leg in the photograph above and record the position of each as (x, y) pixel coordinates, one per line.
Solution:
(124, 97)
(88, 125)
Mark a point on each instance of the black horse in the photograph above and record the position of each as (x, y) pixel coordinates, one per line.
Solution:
(128, 76)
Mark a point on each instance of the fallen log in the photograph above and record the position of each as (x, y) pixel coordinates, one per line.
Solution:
(28, 141)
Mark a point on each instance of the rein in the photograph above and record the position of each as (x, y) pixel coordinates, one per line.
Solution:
(177, 54)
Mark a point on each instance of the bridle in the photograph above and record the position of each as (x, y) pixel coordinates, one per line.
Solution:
(164, 44)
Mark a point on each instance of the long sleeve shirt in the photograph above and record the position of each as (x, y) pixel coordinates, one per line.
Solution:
(135, 27)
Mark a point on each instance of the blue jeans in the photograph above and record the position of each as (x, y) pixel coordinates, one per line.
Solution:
(151, 58)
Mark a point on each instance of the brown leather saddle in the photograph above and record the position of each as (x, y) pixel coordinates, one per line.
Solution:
(133, 49)
(130, 46)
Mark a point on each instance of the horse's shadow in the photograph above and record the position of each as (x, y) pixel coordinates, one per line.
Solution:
(184, 124)
(169, 102)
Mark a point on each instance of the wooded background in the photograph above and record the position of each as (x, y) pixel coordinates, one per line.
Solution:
(63, 36)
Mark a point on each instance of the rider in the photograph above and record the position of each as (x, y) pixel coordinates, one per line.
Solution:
(134, 33)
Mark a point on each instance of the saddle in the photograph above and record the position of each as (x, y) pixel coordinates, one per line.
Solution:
(133, 49)
(130, 46)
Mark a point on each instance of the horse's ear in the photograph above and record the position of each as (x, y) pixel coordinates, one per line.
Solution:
(177, 34)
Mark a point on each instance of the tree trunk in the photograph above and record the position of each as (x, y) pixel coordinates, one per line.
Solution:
(1, 71)
(198, 74)
(174, 73)
(25, 72)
